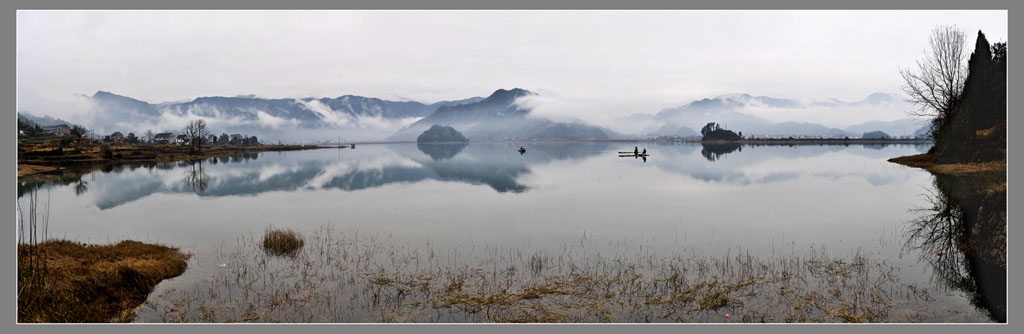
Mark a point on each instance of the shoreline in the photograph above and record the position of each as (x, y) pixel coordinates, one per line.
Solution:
(927, 162)
(45, 160)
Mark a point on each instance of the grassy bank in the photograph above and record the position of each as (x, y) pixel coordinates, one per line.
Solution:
(48, 158)
(64, 281)
(927, 161)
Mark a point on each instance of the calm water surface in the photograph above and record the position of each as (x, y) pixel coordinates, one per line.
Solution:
(768, 201)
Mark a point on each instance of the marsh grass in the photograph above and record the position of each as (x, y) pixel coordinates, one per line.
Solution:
(65, 281)
(281, 242)
(359, 277)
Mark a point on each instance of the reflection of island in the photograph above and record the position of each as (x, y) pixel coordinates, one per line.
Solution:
(690, 159)
(493, 165)
(963, 236)
(715, 151)
(441, 151)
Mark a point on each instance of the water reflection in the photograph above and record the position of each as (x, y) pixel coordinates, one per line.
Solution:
(196, 178)
(964, 243)
(715, 151)
(758, 164)
(253, 173)
(488, 164)
(28, 184)
(441, 151)
(81, 187)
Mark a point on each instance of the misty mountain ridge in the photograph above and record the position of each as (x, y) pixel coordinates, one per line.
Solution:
(500, 117)
(728, 110)
(349, 116)
(42, 120)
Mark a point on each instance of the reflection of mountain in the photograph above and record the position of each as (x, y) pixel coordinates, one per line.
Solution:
(715, 151)
(963, 237)
(497, 166)
(441, 151)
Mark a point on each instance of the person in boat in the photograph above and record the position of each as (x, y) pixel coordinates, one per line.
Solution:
(636, 150)
(645, 151)
(521, 148)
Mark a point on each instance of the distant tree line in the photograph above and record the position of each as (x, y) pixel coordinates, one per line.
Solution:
(195, 135)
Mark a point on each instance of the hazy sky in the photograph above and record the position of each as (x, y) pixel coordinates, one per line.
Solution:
(623, 61)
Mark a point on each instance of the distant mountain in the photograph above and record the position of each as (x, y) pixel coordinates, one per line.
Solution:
(729, 110)
(901, 127)
(499, 117)
(42, 120)
(349, 116)
(874, 99)
(676, 130)
(801, 129)
(924, 132)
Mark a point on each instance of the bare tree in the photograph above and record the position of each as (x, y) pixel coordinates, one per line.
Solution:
(196, 131)
(78, 132)
(938, 81)
(149, 136)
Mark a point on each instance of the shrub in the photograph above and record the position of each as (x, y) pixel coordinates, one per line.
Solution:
(282, 242)
(107, 153)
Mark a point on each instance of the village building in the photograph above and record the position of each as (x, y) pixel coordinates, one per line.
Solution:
(164, 138)
(62, 130)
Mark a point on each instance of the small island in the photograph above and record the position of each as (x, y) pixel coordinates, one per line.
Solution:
(441, 134)
(714, 132)
(876, 135)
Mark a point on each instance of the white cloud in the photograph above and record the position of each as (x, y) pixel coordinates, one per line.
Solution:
(605, 64)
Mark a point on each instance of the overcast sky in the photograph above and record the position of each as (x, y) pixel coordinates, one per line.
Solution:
(632, 61)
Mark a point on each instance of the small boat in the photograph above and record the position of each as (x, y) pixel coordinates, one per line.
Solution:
(635, 155)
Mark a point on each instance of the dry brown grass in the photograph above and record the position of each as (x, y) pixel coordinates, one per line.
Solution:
(359, 277)
(26, 169)
(91, 283)
(282, 242)
(969, 168)
(927, 162)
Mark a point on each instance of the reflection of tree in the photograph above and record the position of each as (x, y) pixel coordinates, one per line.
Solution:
(876, 146)
(965, 245)
(81, 187)
(715, 151)
(441, 151)
(33, 182)
(196, 178)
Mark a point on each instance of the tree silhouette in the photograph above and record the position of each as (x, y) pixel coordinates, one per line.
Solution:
(196, 131)
(938, 82)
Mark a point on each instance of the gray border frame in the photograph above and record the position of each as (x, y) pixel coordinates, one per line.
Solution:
(8, 147)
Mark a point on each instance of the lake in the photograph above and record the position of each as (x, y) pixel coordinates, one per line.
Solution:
(480, 232)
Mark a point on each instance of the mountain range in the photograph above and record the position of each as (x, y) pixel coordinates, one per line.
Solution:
(498, 116)
(729, 109)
